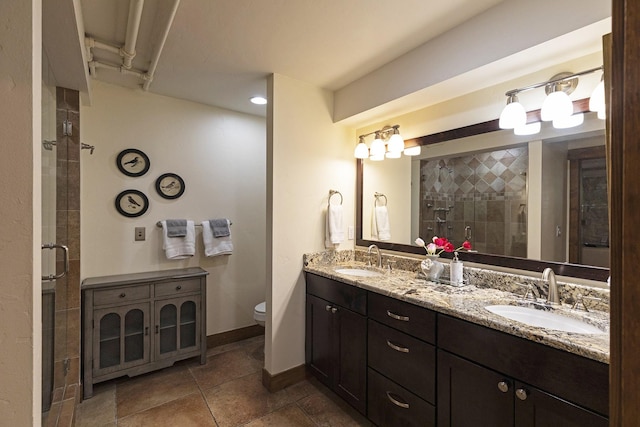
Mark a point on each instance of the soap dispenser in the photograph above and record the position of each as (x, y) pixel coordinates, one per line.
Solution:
(456, 270)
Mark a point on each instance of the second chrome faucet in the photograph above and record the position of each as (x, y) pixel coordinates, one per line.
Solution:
(550, 277)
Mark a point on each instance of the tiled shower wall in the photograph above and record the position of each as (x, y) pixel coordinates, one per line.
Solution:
(66, 372)
(486, 192)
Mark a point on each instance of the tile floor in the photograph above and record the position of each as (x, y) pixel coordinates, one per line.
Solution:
(225, 392)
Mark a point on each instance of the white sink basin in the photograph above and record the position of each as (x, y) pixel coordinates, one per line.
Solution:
(543, 319)
(360, 272)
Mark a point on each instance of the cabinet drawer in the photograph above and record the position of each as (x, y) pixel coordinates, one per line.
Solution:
(412, 319)
(344, 295)
(121, 295)
(406, 360)
(391, 405)
(177, 287)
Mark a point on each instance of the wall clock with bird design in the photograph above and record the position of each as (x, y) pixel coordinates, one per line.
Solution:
(132, 162)
(132, 203)
(170, 185)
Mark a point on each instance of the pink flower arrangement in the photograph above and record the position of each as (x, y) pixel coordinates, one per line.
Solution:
(441, 244)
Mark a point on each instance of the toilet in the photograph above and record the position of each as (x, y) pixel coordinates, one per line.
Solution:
(259, 313)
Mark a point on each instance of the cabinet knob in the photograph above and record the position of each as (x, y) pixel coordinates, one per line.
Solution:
(503, 386)
(334, 310)
(522, 394)
(122, 295)
(396, 401)
(178, 287)
(328, 308)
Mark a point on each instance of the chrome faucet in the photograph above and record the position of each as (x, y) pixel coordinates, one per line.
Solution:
(379, 256)
(550, 277)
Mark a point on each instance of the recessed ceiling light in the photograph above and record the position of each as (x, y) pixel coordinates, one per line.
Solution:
(258, 100)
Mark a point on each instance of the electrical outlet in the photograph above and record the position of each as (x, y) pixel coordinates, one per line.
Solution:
(140, 233)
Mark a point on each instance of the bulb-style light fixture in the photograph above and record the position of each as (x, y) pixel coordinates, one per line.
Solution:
(569, 122)
(557, 106)
(387, 143)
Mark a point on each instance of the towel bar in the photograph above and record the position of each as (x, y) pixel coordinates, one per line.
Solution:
(332, 192)
(159, 224)
(378, 196)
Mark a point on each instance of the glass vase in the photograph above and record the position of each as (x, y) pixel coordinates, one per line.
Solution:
(432, 267)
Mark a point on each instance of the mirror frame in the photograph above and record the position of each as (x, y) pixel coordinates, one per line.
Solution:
(560, 268)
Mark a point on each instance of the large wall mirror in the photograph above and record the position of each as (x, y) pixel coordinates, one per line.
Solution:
(525, 202)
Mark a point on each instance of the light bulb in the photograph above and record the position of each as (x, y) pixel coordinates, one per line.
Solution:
(412, 151)
(377, 147)
(377, 157)
(393, 154)
(528, 129)
(602, 114)
(513, 114)
(395, 144)
(557, 105)
(596, 102)
(361, 151)
(569, 122)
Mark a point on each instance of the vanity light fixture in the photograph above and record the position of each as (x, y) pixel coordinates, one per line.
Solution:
(569, 122)
(387, 143)
(557, 106)
(528, 129)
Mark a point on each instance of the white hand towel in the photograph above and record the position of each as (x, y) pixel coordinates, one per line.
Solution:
(380, 227)
(179, 247)
(334, 234)
(214, 246)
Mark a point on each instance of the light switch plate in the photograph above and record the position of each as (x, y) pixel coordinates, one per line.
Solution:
(140, 234)
(350, 232)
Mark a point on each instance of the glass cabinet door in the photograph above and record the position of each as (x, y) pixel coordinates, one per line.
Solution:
(121, 338)
(178, 325)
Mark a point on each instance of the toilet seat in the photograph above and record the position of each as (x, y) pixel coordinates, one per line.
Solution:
(259, 313)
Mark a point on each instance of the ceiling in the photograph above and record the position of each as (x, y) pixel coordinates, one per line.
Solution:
(219, 52)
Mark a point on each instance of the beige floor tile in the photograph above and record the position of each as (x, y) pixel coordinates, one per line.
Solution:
(289, 416)
(188, 411)
(100, 410)
(146, 391)
(240, 401)
(224, 367)
(325, 411)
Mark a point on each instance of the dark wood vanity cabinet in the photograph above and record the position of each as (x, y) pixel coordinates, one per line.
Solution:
(136, 323)
(495, 379)
(336, 338)
(405, 365)
(402, 363)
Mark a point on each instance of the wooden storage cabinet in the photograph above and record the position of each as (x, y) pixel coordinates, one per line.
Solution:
(402, 363)
(489, 378)
(136, 323)
(336, 338)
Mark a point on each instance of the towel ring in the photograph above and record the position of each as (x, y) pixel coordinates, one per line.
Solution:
(378, 196)
(332, 192)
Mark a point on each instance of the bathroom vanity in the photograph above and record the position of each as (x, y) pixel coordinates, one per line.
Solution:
(406, 352)
(136, 323)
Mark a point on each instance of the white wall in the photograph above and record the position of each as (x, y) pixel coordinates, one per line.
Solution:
(307, 156)
(20, 294)
(220, 154)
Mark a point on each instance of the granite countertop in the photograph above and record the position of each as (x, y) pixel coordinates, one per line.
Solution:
(469, 302)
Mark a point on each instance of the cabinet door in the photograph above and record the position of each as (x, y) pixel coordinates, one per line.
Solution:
(335, 349)
(535, 408)
(318, 340)
(470, 395)
(351, 353)
(120, 338)
(177, 326)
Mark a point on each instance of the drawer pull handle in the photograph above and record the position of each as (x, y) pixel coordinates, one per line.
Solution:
(397, 316)
(146, 330)
(397, 348)
(396, 402)
(122, 295)
(157, 329)
(178, 287)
